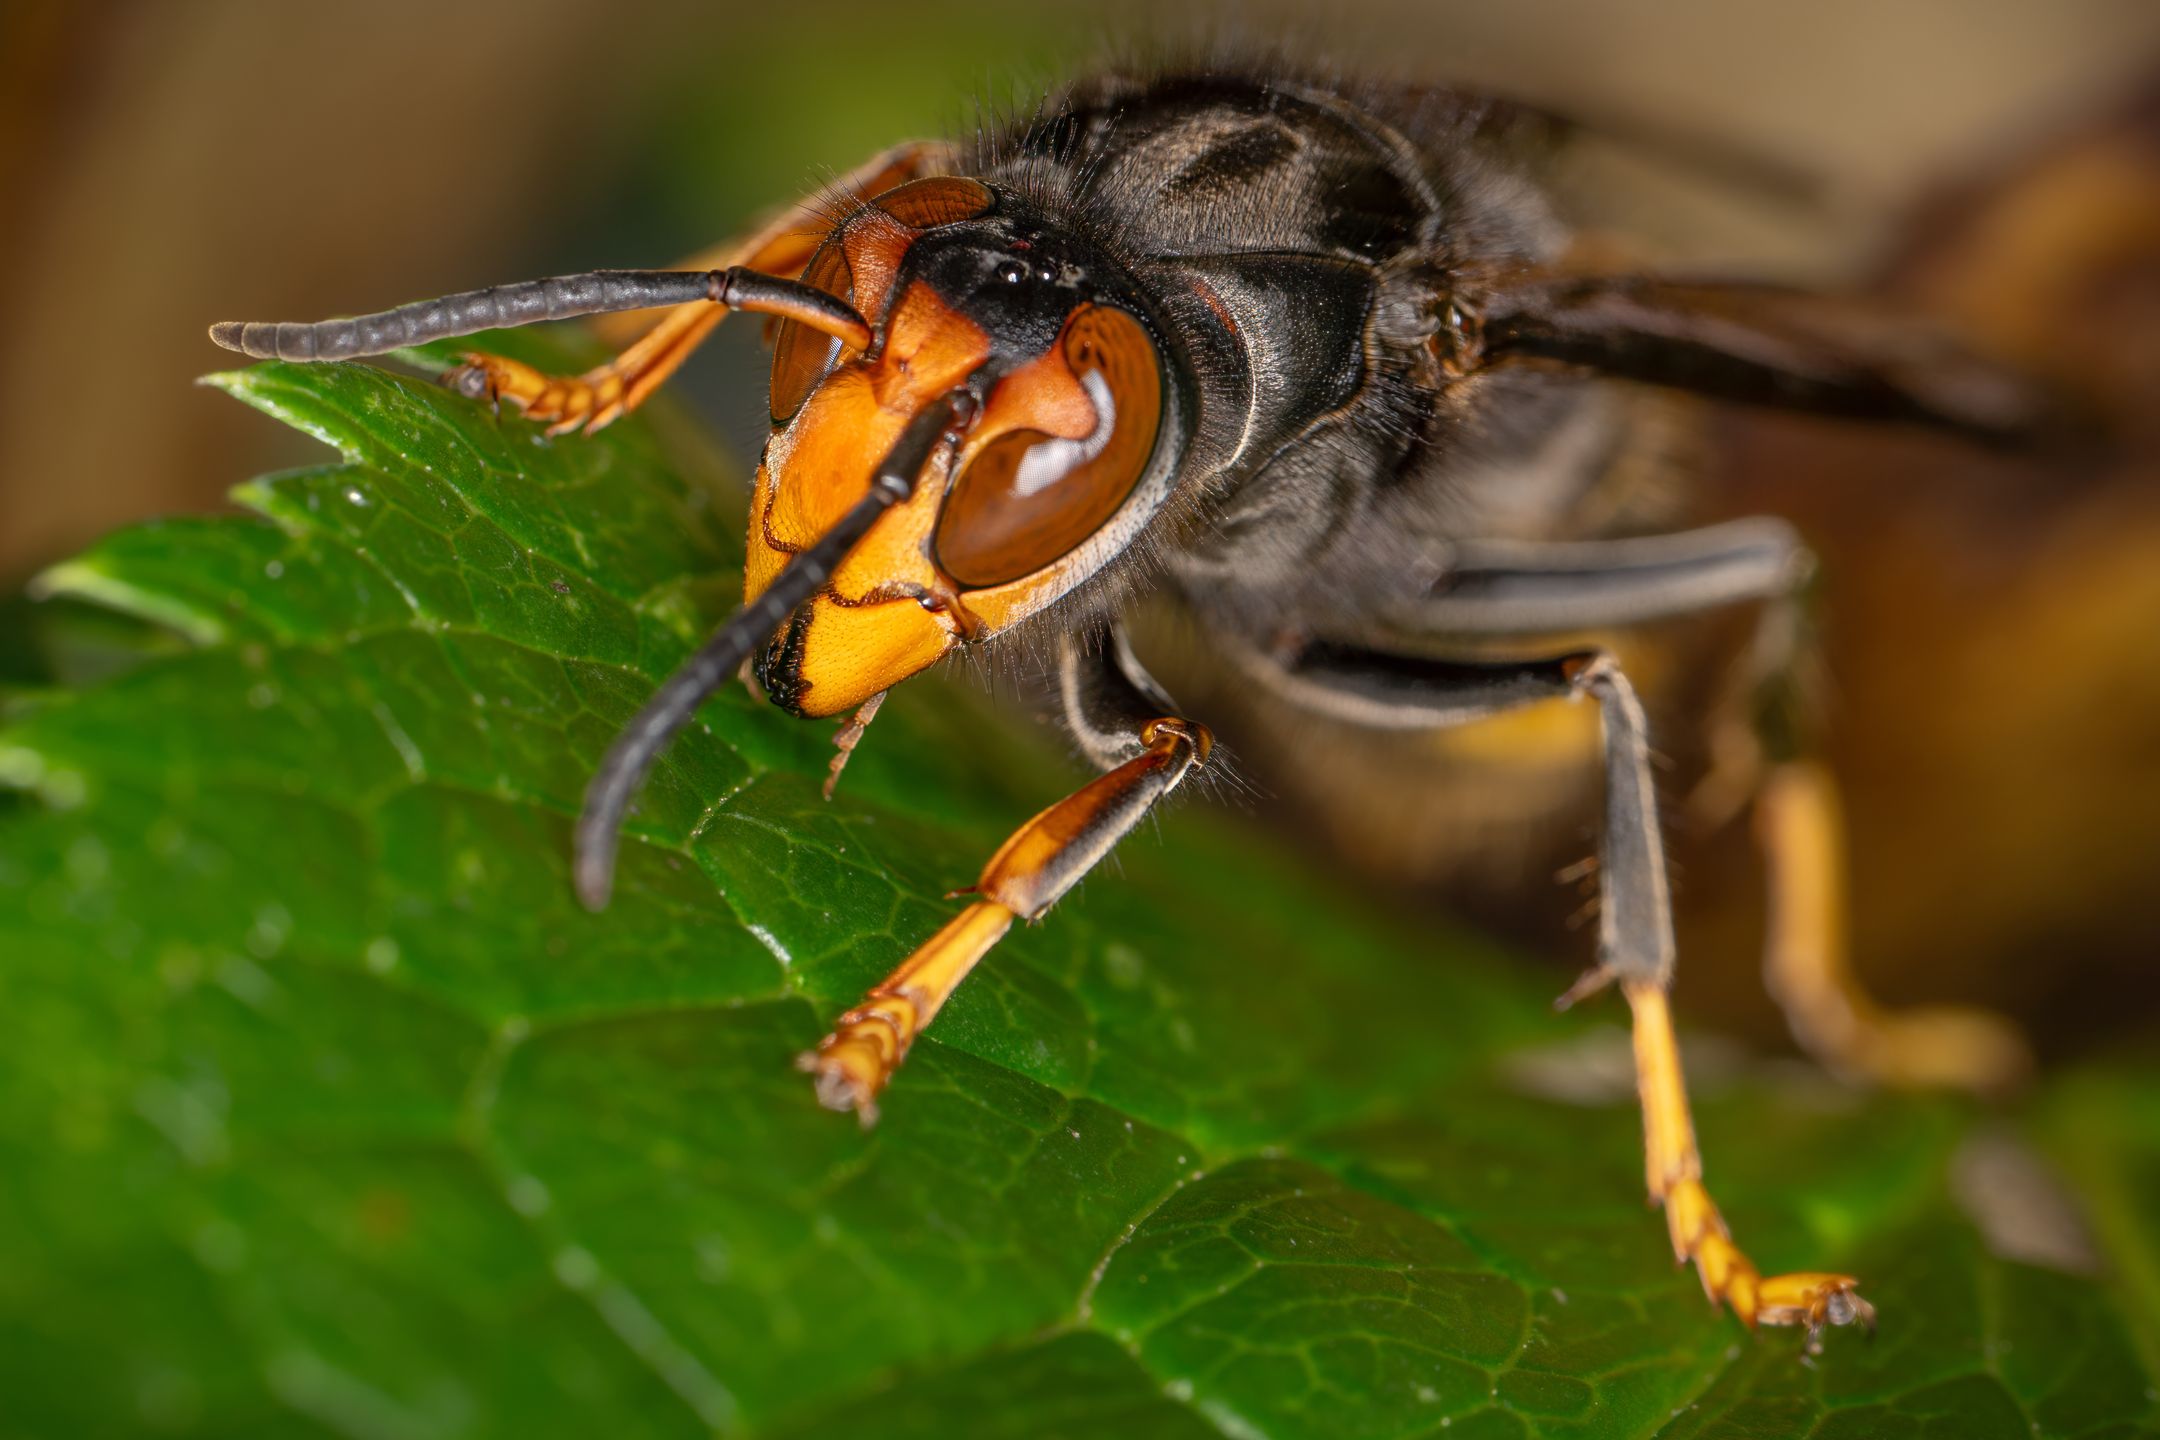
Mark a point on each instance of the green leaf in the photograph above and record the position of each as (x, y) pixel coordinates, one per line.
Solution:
(325, 1110)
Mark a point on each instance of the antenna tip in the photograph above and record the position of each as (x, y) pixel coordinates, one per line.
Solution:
(594, 882)
(592, 871)
(227, 333)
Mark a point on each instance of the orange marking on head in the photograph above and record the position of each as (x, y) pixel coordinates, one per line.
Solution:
(865, 631)
(847, 653)
(874, 244)
(1059, 447)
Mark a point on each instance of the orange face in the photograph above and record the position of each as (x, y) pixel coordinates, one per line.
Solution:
(1039, 491)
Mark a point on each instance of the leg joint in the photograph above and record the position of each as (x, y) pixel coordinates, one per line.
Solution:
(1171, 734)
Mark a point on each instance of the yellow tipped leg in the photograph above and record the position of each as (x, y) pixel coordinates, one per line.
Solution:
(1815, 1299)
(867, 1044)
(601, 396)
(1040, 862)
(1808, 971)
(791, 233)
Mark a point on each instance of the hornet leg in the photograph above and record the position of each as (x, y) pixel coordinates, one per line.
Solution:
(1759, 748)
(1808, 968)
(605, 394)
(1636, 948)
(1635, 934)
(1126, 725)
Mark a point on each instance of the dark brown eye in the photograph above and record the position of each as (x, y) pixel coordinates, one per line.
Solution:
(1028, 498)
(801, 356)
(939, 200)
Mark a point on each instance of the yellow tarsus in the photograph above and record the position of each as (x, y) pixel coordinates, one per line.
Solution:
(867, 1044)
(1673, 1173)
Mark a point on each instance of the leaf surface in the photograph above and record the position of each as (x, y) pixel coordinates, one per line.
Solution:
(327, 1111)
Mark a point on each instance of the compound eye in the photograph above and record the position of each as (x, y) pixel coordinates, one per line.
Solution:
(1029, 498)
(938, 200)
(801, 356)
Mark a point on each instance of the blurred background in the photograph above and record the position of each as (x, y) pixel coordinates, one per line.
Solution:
(1991, 627)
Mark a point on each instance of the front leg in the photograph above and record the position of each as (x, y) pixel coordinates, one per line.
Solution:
(606, 393)
(1115, 711)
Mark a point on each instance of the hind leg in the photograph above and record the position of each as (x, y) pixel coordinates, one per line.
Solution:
(1763, 749)
(1808, 970)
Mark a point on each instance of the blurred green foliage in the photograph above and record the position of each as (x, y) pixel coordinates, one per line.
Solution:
(325, 1110)
(701, 154)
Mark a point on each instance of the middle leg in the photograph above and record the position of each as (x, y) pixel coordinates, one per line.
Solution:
(1635, 937)
(1760, 754)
